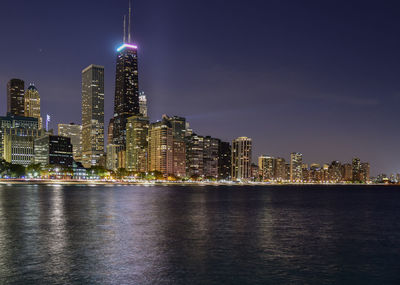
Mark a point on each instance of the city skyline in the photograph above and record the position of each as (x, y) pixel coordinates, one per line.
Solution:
(318, 143)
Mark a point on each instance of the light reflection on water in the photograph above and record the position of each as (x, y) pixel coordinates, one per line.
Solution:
(62, 234)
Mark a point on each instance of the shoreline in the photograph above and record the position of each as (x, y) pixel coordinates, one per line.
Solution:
(170, 183)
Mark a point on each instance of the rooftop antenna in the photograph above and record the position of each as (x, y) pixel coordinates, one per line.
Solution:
(129, 24)
(124, 28)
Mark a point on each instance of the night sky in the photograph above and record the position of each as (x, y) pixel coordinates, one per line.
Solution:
(317, 77)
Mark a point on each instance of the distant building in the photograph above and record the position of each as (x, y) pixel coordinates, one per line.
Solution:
(210, 157)
(110, 131)
(161, 147)
(280, 169)
(54, 151)
(255, 172)
(224, 160)
(15, 97)
(92, 115)
(335, 171)
(32, 104)
(126, 101)
(241, 158)
(267, 166)
(178, 125)
(112, 156)
(137, 129)
(17, 135)
(143, 104)
(296, 161)
(356, 169)
(347, 172)
(365, 172)
(74, 132)
(195, 156)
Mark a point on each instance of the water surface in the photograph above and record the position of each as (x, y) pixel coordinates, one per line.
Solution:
(199, 235)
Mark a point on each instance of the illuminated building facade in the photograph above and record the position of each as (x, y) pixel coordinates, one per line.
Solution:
(54, 151)
(210, 157)
(112, 157)
(126, 101)
(15, 97)
(74, 132)
(280, 169)
(92, 115)
(195, 156)
(267, 166)
(143, 104)
(32, 104)
(137, 129)
(178, 125)
(17, 135)
(296, 161)
(160, 150)
(356, 169)
(241, 158)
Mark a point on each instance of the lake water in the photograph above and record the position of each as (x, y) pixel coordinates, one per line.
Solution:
(199, 235)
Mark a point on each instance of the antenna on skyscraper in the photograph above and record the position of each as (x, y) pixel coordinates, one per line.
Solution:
(124, 28)
(129, 23)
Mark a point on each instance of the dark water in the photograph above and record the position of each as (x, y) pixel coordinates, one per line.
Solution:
(199, 235)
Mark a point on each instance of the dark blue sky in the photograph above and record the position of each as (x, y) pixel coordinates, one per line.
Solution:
(318, 77)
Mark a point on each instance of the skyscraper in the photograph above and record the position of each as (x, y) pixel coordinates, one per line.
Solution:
(143, 104)
(74, 132)
(161, 147)
(280, 169)
(32, 104)
(15, 97)
(210, 157)
(267, 166)
(178, 125)
(195, 156)
(296, 161)
(224, 160)
(137, 129)
(241, 158)
(356, 169)
(126, 101)
(92, 115)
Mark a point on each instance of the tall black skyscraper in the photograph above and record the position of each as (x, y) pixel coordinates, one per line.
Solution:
(15, 97)
(126, 101)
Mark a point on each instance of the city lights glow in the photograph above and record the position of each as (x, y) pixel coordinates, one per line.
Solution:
(126, 46)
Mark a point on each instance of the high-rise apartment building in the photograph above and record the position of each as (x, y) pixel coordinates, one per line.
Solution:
(210, 157)
(267, 166)
(143, 104)
(15, 97)
(356, 169)
(195, 156)
(241, 158)
(280, 169)
(74, 132)
(160, 150)
(178, 125)
(347, 172)
(296, 161)
(137, 129)
(32, 104)
(112, 157)
(92, 115)
(365, 169)
(224, 160)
